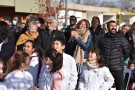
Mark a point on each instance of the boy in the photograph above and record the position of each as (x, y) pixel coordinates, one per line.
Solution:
(69, 66)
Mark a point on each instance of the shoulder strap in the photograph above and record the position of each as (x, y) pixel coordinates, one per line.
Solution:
(39, 67)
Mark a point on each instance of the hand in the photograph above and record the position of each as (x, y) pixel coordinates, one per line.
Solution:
(74, 34)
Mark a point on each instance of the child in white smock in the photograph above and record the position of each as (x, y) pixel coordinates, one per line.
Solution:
(95, 75)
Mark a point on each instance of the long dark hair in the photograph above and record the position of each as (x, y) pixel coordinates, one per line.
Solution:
(4, 31)
(132, 27)
(79, 23)
(56, 58)
(33, 45)
(95, 17)
(100, 60)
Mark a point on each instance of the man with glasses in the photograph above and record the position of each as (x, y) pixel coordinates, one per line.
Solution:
(47, 36)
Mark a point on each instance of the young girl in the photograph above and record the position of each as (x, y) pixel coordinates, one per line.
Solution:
(2, 82)
(17, 77)
(35, 61)
(52, 76)
(95, 76)
(131, 66)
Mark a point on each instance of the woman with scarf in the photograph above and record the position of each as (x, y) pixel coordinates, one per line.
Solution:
(81, 34)
(95, 75)
(30, 34)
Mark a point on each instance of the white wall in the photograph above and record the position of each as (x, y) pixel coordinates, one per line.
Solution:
(101, 18)
(132, 20)
(88, 15)
(107, 18)
(84, 15)
(79, 14)
(91, 14)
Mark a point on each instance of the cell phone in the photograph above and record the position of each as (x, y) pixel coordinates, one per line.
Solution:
(79, 31)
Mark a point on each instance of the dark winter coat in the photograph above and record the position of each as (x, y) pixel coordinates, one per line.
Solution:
(47, 38)
(96, 35)
(114, 49)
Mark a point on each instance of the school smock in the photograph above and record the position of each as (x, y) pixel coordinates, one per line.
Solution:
(70, 73)
(45, 79)
(3, 86)
(95, 79)
(33, 68)
(18, 80)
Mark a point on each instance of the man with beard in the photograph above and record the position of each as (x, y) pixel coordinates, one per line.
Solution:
(114, 49)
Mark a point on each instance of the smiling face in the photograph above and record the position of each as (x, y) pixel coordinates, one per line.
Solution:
(33, 29)
(112, 26)
(58, 46)
(28, 48)
(83, 27)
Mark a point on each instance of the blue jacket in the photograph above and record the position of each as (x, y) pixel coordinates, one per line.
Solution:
(85, 46)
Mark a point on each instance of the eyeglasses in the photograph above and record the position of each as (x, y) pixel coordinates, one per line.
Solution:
(49, 22)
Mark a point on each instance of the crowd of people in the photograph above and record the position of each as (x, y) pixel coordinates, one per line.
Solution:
(81, 56)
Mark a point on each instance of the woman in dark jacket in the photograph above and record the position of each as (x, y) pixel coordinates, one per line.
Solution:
(130, 36)
(96, 30)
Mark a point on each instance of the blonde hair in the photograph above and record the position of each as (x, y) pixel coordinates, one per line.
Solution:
(83, 20)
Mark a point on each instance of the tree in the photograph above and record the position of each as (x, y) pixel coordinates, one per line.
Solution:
(49, 7)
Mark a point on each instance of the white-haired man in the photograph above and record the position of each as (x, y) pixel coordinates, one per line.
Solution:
(48, 35)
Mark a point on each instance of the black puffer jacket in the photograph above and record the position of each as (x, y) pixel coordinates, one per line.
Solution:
(114, 49)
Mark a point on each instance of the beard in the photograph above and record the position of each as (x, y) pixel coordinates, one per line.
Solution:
(112, 31)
